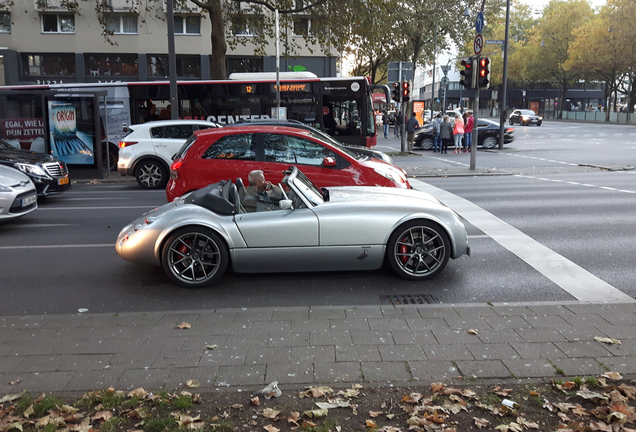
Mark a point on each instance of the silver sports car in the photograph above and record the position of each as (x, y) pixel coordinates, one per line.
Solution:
(196, 237)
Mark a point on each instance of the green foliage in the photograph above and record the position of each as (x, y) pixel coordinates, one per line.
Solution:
(112, 400)
(161, 424)
(490, 399)
(51, 427)
(327, 426)
(560, 371)
(222, 426)
(112, 425)
(578, 381)
(182, 403)
(591, 381)
(24, 403)
(46, 404)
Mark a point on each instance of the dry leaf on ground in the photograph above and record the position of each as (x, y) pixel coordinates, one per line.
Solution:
(192, 383)
(184, 325)
(481, 422)
(371, 424)
(271, 413)
(294, 418)
(270, 428)
(607, 340)
(472, 331)
(612, 375)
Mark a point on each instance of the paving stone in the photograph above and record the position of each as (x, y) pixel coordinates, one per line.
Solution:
(465, 323)
(43, 363)
(437, 370)
(619, 331)
(585, 320)
(541, 335)
(8, 363)
(583, 349)
(200, 343)
(291, 313)
(499, 335)
(433, 311)
(626, 348)
(249, 340)
(144, 319)
(385, 371)
(294, 373)
(409, 337)
(207, 321)
(37, 334)
(40, 347)
(363, 312)
(329, 338)
(241, 375)
(60, 321)
(288, 339)
(530, 368)
(205, 375)
(619, 318)
(542, 309)
(327, 312)
(400, 312)
(260, 355)
(7, 323)
(348, 324)
(475, 311)
(254, 315)
(94, 380)
(483, 369)
(232, 328)
(576, 334)
(401, 352)
(224, 355)
(304, 325)
(388, 324)
(454, 336)
(537, 350)
(100, 321)
(352, 353)
(447, 352)
(38, 381)
(149, 379)
(271, 326)
(512, 310)
(128, 356)
(177, 359)
(325, 373)
(112, 332)
(579, 366)
(371, 337)
(547, 321)
(171, 320)
(623, 364)
(507, 322)
(492, 351)
(427, 324)
(85, 362)
(310, 354)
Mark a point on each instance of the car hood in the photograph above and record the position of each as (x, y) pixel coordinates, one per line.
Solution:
(12, 177)
(25, 156)
(381, 194)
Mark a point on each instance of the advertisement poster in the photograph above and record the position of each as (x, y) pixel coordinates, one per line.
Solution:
(24, 133)
(70, 143)
(418, 109)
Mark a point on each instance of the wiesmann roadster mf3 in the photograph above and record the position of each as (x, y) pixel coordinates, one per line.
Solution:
(198, 236)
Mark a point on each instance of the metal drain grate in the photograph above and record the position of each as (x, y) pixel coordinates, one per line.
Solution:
(407, 299)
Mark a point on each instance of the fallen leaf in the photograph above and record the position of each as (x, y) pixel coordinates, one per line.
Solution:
(512, 426)
(192, 384)
(316, 413)
(612, 375)
(564, 406)
(308, 424)
(390, 416)
(607, 340)
(349, 393)
(29, 411)
(184, 325)
(16, 425)
(255, 401)
(502, 392)
(270, 428)
(587, 394)
(211, 347)
(579, 410)
(11, 397)
(535, 393)
(316, 392)
(270, 413)
(600, 426)
(294, 418)
(481, 422)
(472, 331)
(237, 406)
(374, 414)
(334, 403)
(527, 424)
(15, 382)
(628, 391)
(412, 398)
(139, 393)
(437, 387)
(102, 416)
(69, 409)
(371, 424)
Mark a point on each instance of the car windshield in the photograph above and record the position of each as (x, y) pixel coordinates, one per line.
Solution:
(308, 189)
(528, 112)
(5, 145)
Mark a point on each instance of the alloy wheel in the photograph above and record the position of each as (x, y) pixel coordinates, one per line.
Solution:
(420, 251)
(150, 175)
(193, 258)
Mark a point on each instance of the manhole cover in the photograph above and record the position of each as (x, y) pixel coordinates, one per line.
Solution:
(407, 299)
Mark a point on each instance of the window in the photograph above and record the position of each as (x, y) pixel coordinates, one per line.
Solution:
(48, 65)
(174, 132)
(294, 150)
(5, 22)
(301, 26)
(247, 25)
(188, 66)
(239, 147)
(111, 65)
(58, 23)
(244, 64)
(187, 25)
(122, 24)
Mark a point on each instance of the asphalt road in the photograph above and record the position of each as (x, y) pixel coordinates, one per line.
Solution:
(62, 257)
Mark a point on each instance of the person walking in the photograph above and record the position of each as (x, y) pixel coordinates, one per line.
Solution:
(446, 133)
(385, 124)
(437, 139)
(468, 131)
(412, 124)
(399, 121)
(458, 133)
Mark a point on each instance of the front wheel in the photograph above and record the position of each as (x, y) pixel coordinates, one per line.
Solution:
(490, 142)
(511, 121)
(195, 257)
(538, 123)
(418, 250)
(151, 174)
(427, 144)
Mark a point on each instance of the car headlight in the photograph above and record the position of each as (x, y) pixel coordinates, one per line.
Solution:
(540, 118)
(525, 117)
(5, 189)
(31, 169)
(393, 175)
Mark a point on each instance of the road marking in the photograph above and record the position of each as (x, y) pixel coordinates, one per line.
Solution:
(57, 246)
(574, 183)
(478, 236)
(570, 277)
(541, 159)
(45, 225)
(89, 198)
(99, 208)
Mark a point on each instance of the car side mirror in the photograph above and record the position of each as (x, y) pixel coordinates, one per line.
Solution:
(285, 204)
(329, 162)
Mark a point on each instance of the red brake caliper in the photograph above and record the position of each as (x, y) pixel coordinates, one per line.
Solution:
(183, 248)
(404, 249)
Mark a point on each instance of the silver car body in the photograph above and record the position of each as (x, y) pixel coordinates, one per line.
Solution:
(18, 195)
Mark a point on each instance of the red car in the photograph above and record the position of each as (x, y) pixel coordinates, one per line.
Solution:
(212, 155)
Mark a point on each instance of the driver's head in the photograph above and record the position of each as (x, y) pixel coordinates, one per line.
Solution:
(256, 178)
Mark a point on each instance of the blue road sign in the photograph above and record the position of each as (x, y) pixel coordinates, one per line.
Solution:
(479, 22)
(494, 42)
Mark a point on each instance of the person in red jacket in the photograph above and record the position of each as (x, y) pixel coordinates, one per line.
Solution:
(468, 131)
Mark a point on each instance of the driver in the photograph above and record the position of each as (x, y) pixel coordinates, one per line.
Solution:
(260, 193)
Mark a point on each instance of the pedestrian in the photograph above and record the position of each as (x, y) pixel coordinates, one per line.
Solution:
(446, 133)
(385, 124)
(399, 121)
(468, 130)
(412, 124)
(458, 133)
(437, 139)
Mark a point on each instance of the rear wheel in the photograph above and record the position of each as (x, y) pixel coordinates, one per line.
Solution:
(511, 121)
(490, 142)
(418, 250)
(427, 144)
(151, 174)
(195, 257)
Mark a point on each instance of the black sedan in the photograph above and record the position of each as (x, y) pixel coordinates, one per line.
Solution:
(525, 117)
(48, 173)
(488, 136)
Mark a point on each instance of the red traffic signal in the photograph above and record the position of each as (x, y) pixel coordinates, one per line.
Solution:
(483, 77)
(406, 91)
(468, 78)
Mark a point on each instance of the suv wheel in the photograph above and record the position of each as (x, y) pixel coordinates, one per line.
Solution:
(151, 174)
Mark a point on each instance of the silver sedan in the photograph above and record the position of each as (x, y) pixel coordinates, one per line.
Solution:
(196, 237)
(17, 194)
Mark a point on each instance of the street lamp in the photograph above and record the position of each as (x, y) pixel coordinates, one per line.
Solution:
(504, 81)
(434, 60)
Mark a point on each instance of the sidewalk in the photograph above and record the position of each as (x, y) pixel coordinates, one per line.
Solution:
(323, 345)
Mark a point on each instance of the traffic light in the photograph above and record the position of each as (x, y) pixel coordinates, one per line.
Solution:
(483, 76)
(406, 91)
(468, 78)
(396, 92)
(442, 93)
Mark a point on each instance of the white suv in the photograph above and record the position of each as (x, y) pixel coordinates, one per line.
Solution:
(147, 151)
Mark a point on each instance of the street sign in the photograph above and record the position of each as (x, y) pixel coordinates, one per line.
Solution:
(445, 69)
(478, 44)
(479, 23)
(494, 42)
(394, 72)
(444, 81)
(495, 95)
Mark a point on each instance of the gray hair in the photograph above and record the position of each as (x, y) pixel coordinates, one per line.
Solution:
(254, 176)
(446, 117)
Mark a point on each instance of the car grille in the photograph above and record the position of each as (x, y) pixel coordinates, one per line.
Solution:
(56, 169)
(16, 207)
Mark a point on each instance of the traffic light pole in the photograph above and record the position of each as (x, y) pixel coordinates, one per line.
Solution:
(473, 146)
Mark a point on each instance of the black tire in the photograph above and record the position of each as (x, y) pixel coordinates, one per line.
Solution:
(511, 121)
(418, 250)
(490, 142)
(195, 257)
(427, 144)
(151, 174)
(538, 123)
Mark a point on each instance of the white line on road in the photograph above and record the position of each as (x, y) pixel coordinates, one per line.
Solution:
(92, 198)
(45, 225)
(578, 282)
(58, 246)
(574, 183)
(98, 208)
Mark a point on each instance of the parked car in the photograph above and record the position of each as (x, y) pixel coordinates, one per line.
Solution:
(217, 154)
(18, 195)
(362, 151)
(146, 152)
(48, 173)
(525, 117)
(488, 135)
(199, 236)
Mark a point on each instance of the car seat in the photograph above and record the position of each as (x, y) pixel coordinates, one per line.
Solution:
(240, 187)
